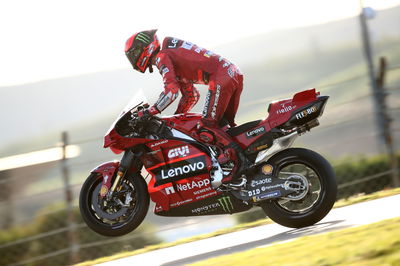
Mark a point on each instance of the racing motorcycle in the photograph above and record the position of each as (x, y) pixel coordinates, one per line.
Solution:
(295, 187)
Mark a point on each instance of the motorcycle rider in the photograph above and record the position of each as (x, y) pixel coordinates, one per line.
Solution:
(181, 65)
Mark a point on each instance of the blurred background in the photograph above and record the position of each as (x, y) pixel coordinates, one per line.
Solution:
(64, 78)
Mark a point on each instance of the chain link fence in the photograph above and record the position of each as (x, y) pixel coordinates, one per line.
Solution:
(39, 219)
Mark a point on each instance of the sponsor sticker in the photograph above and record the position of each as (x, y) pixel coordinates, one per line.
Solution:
(231, 71)
(164, 71)
(103, 190)
(272, 194)
(207, 103)
(143, 37)
(143, 61)
(263, 189)
(179, 170)
(261, 147)
(284, 109)
(201, 191)
(187, 45)
(227, 64)
(206, 208)
(178, 152)
(169, 190)
(158, 143)
(306, 112)
(226, 203)
(264, 181)
(253, 192)
(151, 48)
(208, 53)
(255, 132)
(267, 169)
(172, 43)
(209, 194)
(192, 185)
(214, 108)
(179, 203)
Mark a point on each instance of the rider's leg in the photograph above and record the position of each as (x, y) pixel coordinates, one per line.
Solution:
(217, 101)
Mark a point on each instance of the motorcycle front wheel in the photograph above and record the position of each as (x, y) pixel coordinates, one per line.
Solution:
(315, 176)
(121, 213)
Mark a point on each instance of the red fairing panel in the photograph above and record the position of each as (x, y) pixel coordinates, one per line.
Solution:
(279, 113)
(180, 174)
(107, 171)
(118, 143)
(181, 192)
(185, 123)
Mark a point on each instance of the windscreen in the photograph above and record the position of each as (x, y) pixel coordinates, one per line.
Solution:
(137, 99)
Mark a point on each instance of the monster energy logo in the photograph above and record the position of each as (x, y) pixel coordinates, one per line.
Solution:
(226, 203)
(143, 37)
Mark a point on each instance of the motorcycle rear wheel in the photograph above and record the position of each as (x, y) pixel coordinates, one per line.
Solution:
(122, 214)
(303, 209)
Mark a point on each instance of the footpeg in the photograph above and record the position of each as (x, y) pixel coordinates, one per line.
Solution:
(242, 184)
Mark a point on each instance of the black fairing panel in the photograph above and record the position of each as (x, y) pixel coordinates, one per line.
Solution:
(219, 204)
(307, 113)
(242, 128)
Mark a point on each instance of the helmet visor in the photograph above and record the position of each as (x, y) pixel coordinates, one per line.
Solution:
(133, 55)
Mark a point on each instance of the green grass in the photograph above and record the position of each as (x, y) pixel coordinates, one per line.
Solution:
(374, 244)
(341, 203)
(362, 197)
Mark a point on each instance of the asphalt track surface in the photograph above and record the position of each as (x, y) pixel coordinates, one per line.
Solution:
(350, 216)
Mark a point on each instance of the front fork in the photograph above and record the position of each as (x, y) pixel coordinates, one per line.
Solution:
(108, 170)
(124, 165)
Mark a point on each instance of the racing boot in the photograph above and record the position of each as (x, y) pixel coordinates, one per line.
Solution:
(242, 164)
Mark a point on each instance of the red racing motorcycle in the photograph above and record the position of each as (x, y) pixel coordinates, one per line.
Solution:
(295, 187)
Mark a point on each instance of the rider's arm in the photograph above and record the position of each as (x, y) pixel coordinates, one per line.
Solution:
(190, 96)
(171, 85)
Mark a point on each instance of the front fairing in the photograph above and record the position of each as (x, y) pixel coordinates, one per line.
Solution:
(112, 136)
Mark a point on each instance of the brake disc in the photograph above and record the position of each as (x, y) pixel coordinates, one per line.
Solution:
(97, 202)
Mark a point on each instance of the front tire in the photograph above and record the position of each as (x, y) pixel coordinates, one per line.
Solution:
(122, 213)
(309, 208)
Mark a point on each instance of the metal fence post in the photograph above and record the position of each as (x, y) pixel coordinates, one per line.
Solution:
(380, 81)
(6, 195)
(72, 235)
(371, 73)
(384, 136)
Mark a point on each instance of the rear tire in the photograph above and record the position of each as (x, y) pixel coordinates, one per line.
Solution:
(115, 220)
(320, 198)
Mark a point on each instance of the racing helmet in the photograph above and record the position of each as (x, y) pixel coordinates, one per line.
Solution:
(140, 48)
